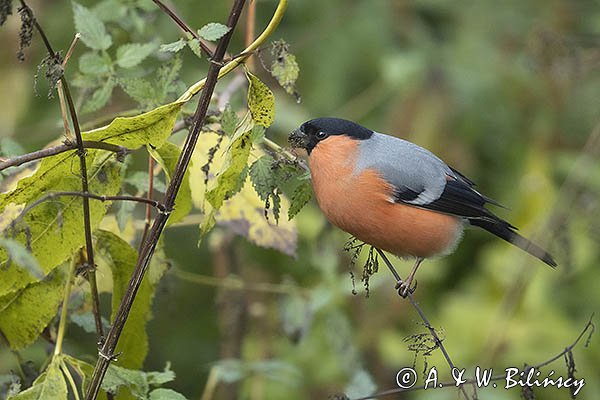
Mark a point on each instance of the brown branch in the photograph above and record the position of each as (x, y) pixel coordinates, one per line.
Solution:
(416, 306)
(148, 218)
(89, 246)
(184, 27)
(106, 352)
(67, 146)
(588, 327)
(156, 204)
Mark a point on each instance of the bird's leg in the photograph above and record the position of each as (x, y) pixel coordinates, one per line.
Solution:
(404, 287)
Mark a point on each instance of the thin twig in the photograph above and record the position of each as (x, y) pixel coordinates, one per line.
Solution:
(106, 353)
(70, 51)
(588, 327)
(426, 322)
(156, 204)
(250, 29)
(184, 27)
(67, 146)
(89, 245)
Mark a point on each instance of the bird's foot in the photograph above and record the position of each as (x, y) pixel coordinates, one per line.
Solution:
(404, 288)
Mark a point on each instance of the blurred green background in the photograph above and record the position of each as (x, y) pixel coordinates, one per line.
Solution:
(506, 92)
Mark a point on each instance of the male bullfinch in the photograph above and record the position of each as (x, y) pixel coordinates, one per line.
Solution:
(395, 195)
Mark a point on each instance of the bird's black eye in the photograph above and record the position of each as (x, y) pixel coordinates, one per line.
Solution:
(321, 135)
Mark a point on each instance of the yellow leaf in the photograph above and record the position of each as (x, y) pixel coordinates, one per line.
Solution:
(261, 101)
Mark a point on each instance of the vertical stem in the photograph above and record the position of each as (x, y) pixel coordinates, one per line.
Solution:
(106, 353)
(250, 29)
(62, 325)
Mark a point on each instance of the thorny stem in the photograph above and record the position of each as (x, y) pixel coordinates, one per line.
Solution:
(68, 146)
(91, 275)
(106, 353)
(426, 322)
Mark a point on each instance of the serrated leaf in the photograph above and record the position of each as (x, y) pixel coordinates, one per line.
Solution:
(166, 394)
(194, 45)
(53, 230)
(213, 31)
(94, 64)
(100, 97)
(228, 180)
(285, 69)
(131, 54)
(121, 258)
(152, 127)
(173, 47)
(301, 196)
(229, 120)
(261, 101)
(24, 314)
(49, 385)
(93, 32)
(133, 379)
(243, 213)
(167, 156)
(262, 177)
(158, 378)
(23, 257)
(138, 89)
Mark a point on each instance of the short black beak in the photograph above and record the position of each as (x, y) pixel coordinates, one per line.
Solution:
(298, 139)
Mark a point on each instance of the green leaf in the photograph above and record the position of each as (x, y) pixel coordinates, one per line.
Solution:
(121, 258)
(94, 64)
(23, 257)
(49, 385)
(301, 196)
(53, 230)
(25, 313)
(168, 79)
(110, 10)
(361, 385)
(86, 321)
(93, 32)
(284, 68)
(138, 89)
(133, 379)
(228, 180)
(81, 368)
(152, 127)
(167, 157)
(100, 97)
(262, 177)
(158, 378)
(131, 54)
(243, 213)
(194, 45)
(213, 31)
(166, 394)
(10, 148)
(173, 47)
(139, 180)
(229, 120)
(261, 101)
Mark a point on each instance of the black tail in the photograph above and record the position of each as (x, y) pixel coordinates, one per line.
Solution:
(504, 230)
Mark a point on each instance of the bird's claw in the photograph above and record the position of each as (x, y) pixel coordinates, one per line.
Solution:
(404, 288)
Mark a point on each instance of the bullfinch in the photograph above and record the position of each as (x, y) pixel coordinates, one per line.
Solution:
(395, 195)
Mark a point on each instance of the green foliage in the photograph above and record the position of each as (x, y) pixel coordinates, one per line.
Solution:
(100, 96)
(49, 385)
(213, 31)
(261, 101)
(95, 63)
(131, 54)
(53, 230)
(167, 156)
(140, 384)
(121, 258)
(26, 312)
(302, 194)
(285, 67)
(92, 29)
(22, 256)
(173, 47)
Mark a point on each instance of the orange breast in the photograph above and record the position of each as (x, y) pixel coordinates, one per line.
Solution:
(360, 205)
